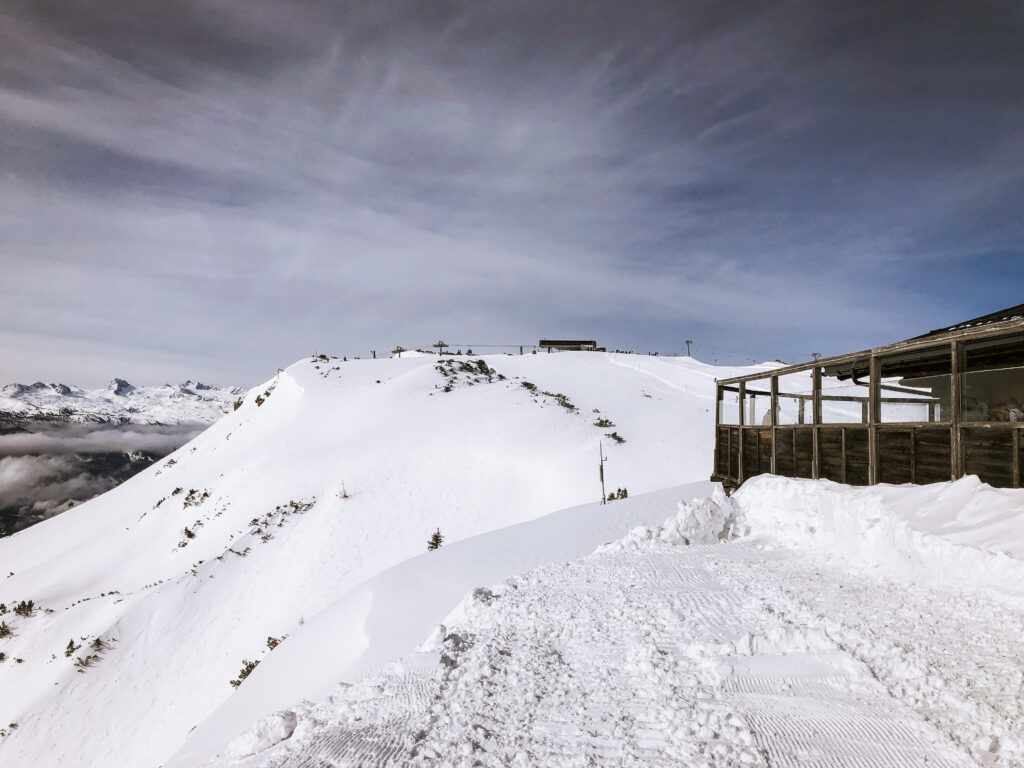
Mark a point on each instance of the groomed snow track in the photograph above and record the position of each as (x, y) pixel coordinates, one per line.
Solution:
(712, 655)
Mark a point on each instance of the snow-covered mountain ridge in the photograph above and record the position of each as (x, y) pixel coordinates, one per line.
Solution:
(119, 402)
(146, 600)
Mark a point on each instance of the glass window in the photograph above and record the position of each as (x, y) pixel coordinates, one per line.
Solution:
(993, 386)
(796, 398)
(729, 406)
(916, 386)
(758, 403)
(845, 394)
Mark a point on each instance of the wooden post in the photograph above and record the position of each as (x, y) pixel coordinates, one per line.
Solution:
(956, 455)
(874, 418)
(816, 419)
(1016, 458)
(740, 477)
(913, 454)
(842, 471)
(775, 417)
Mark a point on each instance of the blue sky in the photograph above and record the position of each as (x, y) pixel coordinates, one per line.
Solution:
(211, 190)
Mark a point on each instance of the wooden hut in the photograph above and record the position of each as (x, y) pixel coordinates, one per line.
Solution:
(932, 408)
(575, 345)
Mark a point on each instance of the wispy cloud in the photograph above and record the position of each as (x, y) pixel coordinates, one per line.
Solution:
(226, 186)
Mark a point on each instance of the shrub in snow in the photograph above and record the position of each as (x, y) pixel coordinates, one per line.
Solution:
(84, 662)
(529, 385)
(247, 668)
(603, 422)
(621, 493)
(616, 437)
(435, 541)
(70, 650)
(5, 631)
(25, 608)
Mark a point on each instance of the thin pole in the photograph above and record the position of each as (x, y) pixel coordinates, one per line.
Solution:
(600, 448)
(688, 342)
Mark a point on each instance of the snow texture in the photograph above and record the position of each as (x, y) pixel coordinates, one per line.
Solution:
(748, 651)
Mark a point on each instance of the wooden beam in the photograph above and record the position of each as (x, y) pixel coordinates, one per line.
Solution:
(842, 471)
(1016, 458)
(775, 418)
(874, 418)
(956, 446)
(740, 477)
(816, 420)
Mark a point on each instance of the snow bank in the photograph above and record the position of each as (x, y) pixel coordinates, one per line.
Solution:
(698, 521)
(384, 618)
(963, 534)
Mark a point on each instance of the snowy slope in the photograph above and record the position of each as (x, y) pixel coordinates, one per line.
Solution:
(327, 475)
(387, 616)
(120, 402)
(761, 630)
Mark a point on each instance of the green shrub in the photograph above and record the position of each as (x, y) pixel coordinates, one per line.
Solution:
(25, 608)
(247, 668)
(603, 422)
(435, 541)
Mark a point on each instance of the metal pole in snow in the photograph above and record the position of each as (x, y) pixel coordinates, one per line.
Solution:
(600, 448)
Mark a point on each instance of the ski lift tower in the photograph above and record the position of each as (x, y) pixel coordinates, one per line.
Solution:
(440, 347)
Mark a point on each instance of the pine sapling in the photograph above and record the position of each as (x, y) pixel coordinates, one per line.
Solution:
(435, 541)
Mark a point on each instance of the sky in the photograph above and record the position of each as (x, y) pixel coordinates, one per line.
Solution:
(213, 189)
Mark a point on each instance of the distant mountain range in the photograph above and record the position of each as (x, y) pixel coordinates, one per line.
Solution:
(120, 403)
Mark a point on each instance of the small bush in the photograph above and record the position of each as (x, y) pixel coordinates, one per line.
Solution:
(603, 422)
(5, 631)
(176, 491)
(616, 437)
(84, 662)
(189, 534)
(529, 385)
(71, 649)
(273, 642)
(621, 493)
(238, 403)
(247, 668)
(25, 608)
(435, 541)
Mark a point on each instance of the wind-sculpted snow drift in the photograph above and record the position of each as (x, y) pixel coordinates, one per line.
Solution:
(150, 599)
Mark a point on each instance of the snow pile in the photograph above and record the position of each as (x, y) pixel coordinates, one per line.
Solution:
(964, 534)
(700, 521)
